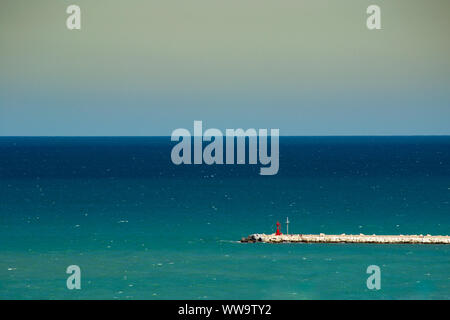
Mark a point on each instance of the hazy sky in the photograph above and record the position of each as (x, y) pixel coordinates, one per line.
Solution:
(307, 67)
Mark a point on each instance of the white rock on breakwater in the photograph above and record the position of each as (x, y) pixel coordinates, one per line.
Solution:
(343, 238)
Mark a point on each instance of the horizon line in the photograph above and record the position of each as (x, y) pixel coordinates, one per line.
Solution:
(168, 136)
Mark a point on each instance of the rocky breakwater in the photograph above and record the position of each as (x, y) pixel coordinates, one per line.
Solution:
(344, 238)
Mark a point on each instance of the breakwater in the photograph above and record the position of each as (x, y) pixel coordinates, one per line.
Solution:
(344, 238)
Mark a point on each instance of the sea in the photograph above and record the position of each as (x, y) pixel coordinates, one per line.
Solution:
(140, 227)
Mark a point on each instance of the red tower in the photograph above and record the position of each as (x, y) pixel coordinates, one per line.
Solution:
(278, 230)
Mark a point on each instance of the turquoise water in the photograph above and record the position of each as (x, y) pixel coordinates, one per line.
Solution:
(140, 227)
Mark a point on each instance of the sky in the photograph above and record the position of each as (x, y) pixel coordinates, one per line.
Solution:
(144, 67)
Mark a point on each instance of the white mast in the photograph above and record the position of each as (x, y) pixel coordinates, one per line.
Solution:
(287, 225)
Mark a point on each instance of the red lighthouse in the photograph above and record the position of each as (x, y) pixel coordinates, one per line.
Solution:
(278, 233)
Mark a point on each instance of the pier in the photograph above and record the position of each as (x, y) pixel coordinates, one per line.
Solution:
(344, 238)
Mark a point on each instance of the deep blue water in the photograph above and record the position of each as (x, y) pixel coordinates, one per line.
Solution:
(141, 227)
